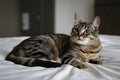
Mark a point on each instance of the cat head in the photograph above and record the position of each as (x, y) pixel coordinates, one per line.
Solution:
(85, 33)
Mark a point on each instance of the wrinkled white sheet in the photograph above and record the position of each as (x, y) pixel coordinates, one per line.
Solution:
(109, 70)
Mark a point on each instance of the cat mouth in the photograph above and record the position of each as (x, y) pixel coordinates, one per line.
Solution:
(83, 42)
(80, 39)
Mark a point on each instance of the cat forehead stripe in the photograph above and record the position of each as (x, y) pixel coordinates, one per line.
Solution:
(84, 24)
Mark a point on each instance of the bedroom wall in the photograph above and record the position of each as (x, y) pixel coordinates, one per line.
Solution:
(64, 13)
(9, 18)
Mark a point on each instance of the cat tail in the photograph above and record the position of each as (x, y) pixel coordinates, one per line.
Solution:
(31, 61)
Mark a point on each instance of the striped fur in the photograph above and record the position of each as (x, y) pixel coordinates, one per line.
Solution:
(54, 50)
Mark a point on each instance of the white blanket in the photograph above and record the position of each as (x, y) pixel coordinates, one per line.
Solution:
(109, 70)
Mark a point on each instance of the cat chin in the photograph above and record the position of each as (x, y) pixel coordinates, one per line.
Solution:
(84, 42)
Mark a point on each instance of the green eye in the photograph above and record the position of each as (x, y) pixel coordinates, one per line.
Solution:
(76, 30)
(86, 30)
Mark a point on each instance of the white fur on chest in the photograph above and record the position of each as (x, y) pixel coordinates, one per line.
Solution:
(84, 42)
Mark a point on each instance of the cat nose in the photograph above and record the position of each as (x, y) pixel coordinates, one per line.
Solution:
(79, 38)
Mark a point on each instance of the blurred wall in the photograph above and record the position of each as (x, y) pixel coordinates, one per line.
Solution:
(109, 12)
(64, 13)
(9, 18)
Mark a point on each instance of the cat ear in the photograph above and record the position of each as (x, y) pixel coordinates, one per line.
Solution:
(77, 20)
(96, 22)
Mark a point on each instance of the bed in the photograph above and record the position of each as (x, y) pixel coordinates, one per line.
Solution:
(109, 70)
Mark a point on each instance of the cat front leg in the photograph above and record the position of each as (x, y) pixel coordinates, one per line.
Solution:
(77, 63)
(73, 60)
(96, 61)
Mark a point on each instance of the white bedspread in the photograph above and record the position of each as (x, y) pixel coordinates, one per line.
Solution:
(109, 70)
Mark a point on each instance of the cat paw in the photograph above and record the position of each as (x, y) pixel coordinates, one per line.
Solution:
(79, 65)
(95, 61)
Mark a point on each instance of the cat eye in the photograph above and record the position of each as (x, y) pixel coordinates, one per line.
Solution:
(76, 30)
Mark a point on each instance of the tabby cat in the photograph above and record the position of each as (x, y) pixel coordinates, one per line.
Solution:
(54, 50)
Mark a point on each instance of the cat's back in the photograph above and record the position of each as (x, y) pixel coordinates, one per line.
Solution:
(42, 42)
(59, 40)
(46, 38)
(55, 38)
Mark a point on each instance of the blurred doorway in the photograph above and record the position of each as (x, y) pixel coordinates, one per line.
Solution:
(37, 17)
(109, 12)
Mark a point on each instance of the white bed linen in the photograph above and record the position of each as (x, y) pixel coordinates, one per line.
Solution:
(109, 70)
